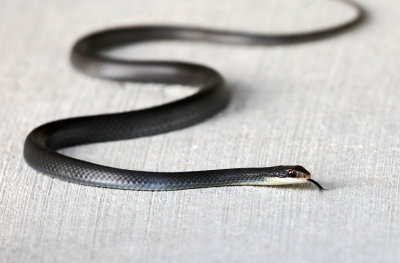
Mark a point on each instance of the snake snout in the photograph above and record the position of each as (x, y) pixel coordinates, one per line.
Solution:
(304, 175)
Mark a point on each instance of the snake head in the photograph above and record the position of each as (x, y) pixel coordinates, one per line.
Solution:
(294, 174)
(297, 174)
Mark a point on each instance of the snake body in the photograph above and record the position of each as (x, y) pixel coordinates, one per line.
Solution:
(41, 145)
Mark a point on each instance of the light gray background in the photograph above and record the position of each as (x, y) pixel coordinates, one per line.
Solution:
(332, 106)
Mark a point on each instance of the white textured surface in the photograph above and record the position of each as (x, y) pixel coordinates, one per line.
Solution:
(331, 106)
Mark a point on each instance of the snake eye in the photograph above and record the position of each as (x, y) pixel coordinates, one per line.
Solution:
(292, 173)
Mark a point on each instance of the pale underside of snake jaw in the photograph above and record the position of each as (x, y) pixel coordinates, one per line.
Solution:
(272, 181)
(87, 56)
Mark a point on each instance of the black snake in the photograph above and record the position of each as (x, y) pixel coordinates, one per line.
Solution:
(41, 145)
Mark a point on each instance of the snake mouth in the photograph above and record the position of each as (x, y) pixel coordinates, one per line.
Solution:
(316, 183)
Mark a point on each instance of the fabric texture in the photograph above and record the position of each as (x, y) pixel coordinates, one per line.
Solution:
(331, 106)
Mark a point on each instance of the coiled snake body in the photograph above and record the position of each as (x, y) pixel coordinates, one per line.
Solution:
(41, 145)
